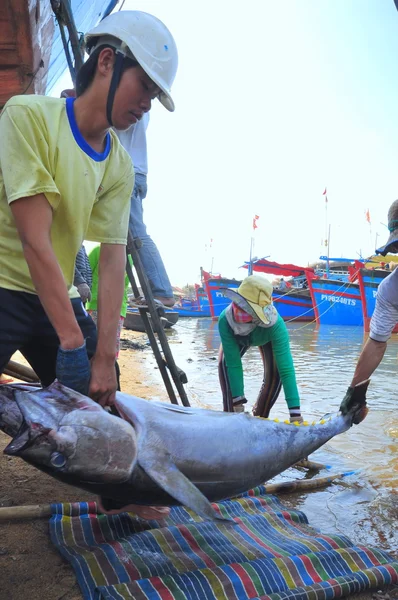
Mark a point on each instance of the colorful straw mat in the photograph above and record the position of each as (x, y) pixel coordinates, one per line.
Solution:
(271, 553)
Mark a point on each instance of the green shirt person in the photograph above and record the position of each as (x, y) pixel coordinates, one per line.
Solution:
(252, 320)
(92, 304)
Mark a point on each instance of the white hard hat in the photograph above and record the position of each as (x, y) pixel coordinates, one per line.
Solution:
(143, 37)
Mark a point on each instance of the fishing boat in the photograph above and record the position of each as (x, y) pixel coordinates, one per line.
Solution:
(294, 303)
(196, 307)
(39, 40)
(134, 322)
(335, 301)
(369, 280)
(214, 288)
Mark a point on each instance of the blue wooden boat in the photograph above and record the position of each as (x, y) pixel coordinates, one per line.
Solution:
(214, 288)
(335, 302)
(369, 280)
(186, 312)
(294, 304)
(194, 307)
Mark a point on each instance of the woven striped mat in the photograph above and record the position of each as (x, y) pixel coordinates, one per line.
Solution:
(271, 553)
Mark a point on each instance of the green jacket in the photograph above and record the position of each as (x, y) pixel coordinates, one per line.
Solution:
(93, 258)
(278, 336)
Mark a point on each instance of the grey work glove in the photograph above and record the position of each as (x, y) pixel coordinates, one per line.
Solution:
(346, 401)
(84, 291)
(355, 398)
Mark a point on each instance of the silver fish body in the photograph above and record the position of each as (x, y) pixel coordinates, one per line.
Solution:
(157, 453)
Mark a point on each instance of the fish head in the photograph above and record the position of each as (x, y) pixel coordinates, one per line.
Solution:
(65, 432)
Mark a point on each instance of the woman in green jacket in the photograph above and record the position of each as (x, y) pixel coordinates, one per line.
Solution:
(252, 320)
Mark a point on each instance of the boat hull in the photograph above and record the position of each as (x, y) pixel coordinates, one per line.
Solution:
(186, 312)
(336, 302)
(217, 301)
(294, 305)
(134, 322)
(369, 281)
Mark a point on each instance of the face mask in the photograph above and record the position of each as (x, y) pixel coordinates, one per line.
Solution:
(240, 316)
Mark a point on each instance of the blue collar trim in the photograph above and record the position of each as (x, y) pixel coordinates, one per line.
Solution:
(81, 142)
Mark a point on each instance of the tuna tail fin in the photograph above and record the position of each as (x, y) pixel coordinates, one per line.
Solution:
(356, 405)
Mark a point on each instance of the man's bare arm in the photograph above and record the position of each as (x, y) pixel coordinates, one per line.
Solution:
(33, 217)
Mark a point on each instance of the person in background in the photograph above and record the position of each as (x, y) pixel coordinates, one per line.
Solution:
(134, 141)
(92, 305)
(384, 318)
(82, 279)
(282, 285)
(252, 320)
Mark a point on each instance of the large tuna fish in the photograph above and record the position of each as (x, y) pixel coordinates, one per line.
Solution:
(157, 454)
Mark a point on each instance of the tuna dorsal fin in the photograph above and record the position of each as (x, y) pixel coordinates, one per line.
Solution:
(159, 466)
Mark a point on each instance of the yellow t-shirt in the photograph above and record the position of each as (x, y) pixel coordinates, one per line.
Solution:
(42, 151)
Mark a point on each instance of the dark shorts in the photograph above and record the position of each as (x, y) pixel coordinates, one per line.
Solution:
(24, 326)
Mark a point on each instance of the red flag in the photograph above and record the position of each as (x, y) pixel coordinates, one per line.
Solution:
(256, 217)
(367, 215)
(324, 193)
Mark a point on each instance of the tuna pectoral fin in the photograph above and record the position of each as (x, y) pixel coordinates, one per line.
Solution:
(164, 472)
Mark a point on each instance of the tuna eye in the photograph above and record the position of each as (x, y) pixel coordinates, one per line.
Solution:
(57, 460)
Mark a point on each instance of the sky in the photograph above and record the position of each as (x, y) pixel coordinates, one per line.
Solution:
(275, 101)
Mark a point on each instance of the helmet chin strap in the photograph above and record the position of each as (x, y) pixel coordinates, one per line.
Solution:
(117, 72)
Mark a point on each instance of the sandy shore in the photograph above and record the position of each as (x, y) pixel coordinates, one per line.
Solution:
(30, 566)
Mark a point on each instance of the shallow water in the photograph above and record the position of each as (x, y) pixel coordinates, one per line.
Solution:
(363, 506)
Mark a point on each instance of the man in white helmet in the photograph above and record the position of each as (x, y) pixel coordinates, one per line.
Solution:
(64, 177)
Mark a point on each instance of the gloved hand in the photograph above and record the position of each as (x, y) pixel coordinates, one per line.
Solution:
(238, 403)
(354, 399)
(73, 368)
(297, 419)
(84, 291)
(346, 400)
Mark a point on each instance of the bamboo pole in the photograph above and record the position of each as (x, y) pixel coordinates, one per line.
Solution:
(43, 511)
(304, 484)
(14, 513)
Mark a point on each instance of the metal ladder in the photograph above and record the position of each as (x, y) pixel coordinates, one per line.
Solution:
(166, 363)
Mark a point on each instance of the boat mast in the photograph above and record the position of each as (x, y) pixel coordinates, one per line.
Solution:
(250, 269)
(327, 231)
(254, 226)
(328, 253)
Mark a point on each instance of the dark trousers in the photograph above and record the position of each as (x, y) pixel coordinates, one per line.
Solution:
(24, 326)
